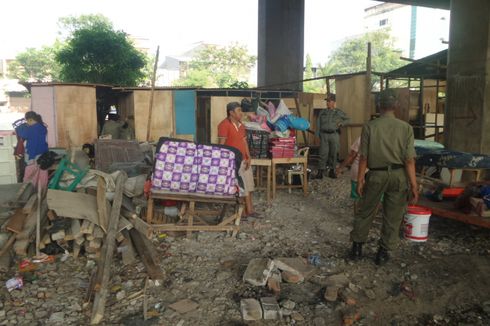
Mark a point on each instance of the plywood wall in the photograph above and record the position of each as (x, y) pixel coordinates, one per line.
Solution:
(43, 103)
(76, 115)
(218, 113)
(162, 117)
(351, 98)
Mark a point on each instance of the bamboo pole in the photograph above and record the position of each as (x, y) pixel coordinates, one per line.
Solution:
(152, 93)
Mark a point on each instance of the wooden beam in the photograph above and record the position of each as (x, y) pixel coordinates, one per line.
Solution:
(146, 255)
(105, 261)
(102, 203)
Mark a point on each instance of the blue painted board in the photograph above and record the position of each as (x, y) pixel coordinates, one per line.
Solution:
(185, 112)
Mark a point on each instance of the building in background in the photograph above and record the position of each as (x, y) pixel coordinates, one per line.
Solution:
(14, 98)
(418, 31)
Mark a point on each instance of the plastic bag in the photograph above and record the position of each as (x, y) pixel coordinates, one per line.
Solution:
(298, 123)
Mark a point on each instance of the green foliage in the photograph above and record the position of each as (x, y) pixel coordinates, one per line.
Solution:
(351, 55)
(221, 67)
(315, 86)
(99, 54)
(68, 25)
(36, 65)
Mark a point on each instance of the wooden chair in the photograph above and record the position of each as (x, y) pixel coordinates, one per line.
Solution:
(297, 169)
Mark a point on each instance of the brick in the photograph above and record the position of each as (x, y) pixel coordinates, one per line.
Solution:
(290, 277)
(270, 308)
(274, 285)
(258, 271)
(251, 309)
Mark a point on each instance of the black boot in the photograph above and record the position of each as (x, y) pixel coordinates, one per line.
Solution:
(319, 175)
(356, 251)
(332, 174)
(382, 256)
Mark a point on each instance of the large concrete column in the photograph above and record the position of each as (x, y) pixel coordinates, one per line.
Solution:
(281, 43)
(468, 85)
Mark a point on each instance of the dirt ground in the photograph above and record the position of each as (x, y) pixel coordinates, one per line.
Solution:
(446, 280)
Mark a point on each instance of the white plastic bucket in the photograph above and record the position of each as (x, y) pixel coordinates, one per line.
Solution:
(416, 223)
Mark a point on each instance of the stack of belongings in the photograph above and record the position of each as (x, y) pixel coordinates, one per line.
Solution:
(186, 167)
(283, 147)
(271, 120)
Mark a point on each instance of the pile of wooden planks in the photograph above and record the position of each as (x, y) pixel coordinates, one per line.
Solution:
(29, 209)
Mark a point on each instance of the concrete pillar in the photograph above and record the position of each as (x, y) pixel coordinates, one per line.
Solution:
(281, 43)
(468, 84)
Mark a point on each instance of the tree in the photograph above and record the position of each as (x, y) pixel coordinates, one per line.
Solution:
(99, 54)
(215, 66)
(351, 55)
(315, 86)
(68, 25)
(36, 65)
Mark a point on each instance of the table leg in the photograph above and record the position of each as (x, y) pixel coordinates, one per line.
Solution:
(149, 210)
(305, 179)
(273, 181)
(190, 217)
(268, 185)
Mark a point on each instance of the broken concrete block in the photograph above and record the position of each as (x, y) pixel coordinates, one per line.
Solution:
(270, 308)
(296, 266)
(288, 304)
(251, 309)
(338, 280)
(331, 293)
(258, 271)
(184, 306)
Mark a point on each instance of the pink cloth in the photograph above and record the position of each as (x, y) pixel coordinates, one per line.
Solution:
(35, 175)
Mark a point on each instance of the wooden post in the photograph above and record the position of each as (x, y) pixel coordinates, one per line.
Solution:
(368, 84)
(298, 108)
(152, 94)
(38, 218)
(105, 261)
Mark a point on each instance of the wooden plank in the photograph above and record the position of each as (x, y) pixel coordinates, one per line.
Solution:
(124, 224)
(105, 263)
(6, 246)
(98, 233)
(150, 261)
(87, 227)
(163, 106)
(16, 222)
(127, 249)
(73, 205)
(144, 228)
(31, 221)
(102, 203)
(173, 227)
(76, 115)
(30, 205)
(76, 230)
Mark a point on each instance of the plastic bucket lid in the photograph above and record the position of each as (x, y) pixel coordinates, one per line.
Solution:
(419, 210)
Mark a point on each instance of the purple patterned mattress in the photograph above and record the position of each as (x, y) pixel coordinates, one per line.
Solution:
(187, 167)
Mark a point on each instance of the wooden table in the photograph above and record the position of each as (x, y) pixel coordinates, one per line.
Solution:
(289, 161)
(446, 209)
(190, 218)
(259, 163)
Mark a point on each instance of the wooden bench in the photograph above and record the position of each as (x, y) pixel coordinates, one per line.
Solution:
(191, 219)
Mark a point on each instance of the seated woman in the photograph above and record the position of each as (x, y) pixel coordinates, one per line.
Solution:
(34, 132)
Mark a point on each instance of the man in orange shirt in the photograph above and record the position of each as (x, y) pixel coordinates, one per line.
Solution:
(231, 132)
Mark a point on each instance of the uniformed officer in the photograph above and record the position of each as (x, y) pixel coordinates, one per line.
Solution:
(387, 149)
(329, 122)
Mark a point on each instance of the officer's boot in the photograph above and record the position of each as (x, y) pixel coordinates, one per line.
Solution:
(356, 251)
(382, 256)
(319, 175)
(332, 174)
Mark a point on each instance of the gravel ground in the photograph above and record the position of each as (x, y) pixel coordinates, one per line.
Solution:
(444, 281)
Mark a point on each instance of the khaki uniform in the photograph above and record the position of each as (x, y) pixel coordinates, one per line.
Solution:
(112, 128)
(328, 124)
(387, 143)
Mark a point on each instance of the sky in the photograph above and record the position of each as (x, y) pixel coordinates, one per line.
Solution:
(176, 25)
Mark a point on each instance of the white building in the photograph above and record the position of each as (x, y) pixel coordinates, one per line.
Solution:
(418, 31)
